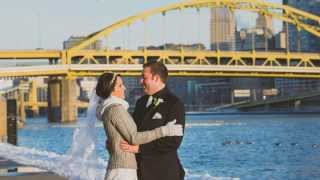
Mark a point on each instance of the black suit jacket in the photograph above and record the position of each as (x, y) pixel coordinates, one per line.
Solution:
(158, 160)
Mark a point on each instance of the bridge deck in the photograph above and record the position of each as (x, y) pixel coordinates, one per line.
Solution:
(30, 54)
(174, 70)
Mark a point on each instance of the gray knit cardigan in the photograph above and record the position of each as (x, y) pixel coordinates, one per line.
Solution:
(119, 125)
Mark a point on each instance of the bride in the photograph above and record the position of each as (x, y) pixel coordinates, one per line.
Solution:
(119, 126)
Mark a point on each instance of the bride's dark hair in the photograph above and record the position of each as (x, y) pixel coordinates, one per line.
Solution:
(106, 84)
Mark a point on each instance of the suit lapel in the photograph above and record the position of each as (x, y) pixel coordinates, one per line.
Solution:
(149, 112)
(146, 112)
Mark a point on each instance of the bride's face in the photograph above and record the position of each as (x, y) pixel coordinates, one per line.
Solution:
(119, 88)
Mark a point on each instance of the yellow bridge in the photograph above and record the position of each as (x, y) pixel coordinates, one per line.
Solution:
(79, 61)
(193, 63)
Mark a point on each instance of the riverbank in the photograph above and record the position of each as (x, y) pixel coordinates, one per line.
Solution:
(206, 113)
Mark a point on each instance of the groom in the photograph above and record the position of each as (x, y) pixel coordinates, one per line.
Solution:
(157, 160)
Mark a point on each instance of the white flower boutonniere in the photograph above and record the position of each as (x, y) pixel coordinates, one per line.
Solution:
(157, 101)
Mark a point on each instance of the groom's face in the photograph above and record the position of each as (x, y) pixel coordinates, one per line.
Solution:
(149, 82)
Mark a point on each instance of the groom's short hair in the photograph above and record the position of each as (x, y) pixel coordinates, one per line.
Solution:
(158, 68)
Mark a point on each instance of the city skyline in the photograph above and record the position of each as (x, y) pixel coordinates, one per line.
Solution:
(46, 24)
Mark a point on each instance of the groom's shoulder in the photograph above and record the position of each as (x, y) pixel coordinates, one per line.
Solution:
(142, 99)
(173, 98)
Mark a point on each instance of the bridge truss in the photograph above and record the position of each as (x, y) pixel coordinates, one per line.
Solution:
(79, 61)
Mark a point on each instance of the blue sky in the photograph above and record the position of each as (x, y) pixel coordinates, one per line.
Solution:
(29, 24)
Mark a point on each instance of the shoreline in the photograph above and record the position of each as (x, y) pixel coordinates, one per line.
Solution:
(204, 113)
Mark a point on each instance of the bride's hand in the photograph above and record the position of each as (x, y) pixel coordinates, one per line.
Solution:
(126, 147)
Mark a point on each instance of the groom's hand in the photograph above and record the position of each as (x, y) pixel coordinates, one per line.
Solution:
(126, 147)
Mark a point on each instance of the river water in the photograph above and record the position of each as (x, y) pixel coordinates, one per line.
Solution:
(240, 146)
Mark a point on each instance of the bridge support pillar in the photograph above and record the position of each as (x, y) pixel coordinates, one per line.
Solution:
(69, 109)
(62, 100)
(12, 121)
(18, 97)
(22, 110)
(53, 61)
(3, 119)
(33, 99)
(54, 110)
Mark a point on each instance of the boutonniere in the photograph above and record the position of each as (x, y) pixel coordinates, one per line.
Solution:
(157, 101)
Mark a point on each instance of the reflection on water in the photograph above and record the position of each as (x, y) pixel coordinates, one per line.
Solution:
(245, 146)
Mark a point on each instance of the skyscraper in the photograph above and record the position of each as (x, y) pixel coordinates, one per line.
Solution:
(265, 22)
(303, 41)
(222, 37)
(260, 37)
(222, 29)
(300, 41)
